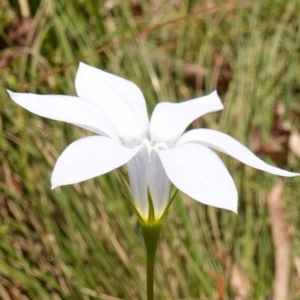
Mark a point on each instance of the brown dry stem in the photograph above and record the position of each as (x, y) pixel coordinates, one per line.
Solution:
(282, 242)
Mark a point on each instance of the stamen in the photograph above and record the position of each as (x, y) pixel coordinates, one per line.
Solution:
(161, 146)
(147, 143)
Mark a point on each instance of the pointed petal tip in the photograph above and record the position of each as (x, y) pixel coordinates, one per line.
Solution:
(215, 92)
(53, 185)
(82, 67)
(217, 97)
(289, 174)
(54, 180)
(231, 207)
(10, 93)
(82, 64)
(14, 96)
(234, 204)
(56, 184)
(228, 208)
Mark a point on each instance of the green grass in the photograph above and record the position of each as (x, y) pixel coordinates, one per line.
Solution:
(83, 241)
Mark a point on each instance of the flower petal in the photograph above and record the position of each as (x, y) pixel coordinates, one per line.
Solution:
(68, 109)
(121, 99)
(137, 170)
(89, 157)
(225, 143)
(159, 184)
(198, 172)
(169, 120)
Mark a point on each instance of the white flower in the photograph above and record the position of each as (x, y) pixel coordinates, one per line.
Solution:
(156, 153)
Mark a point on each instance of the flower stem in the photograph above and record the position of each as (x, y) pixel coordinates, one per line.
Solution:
(151, 234)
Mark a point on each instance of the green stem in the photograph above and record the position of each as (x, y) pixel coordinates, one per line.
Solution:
(151, 234)
(150, 275)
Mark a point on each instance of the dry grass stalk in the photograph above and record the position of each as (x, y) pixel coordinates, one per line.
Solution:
(282, 242)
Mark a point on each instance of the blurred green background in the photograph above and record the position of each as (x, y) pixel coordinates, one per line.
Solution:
(83, 241)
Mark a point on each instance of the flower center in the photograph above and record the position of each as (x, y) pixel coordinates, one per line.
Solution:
(158, 146)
